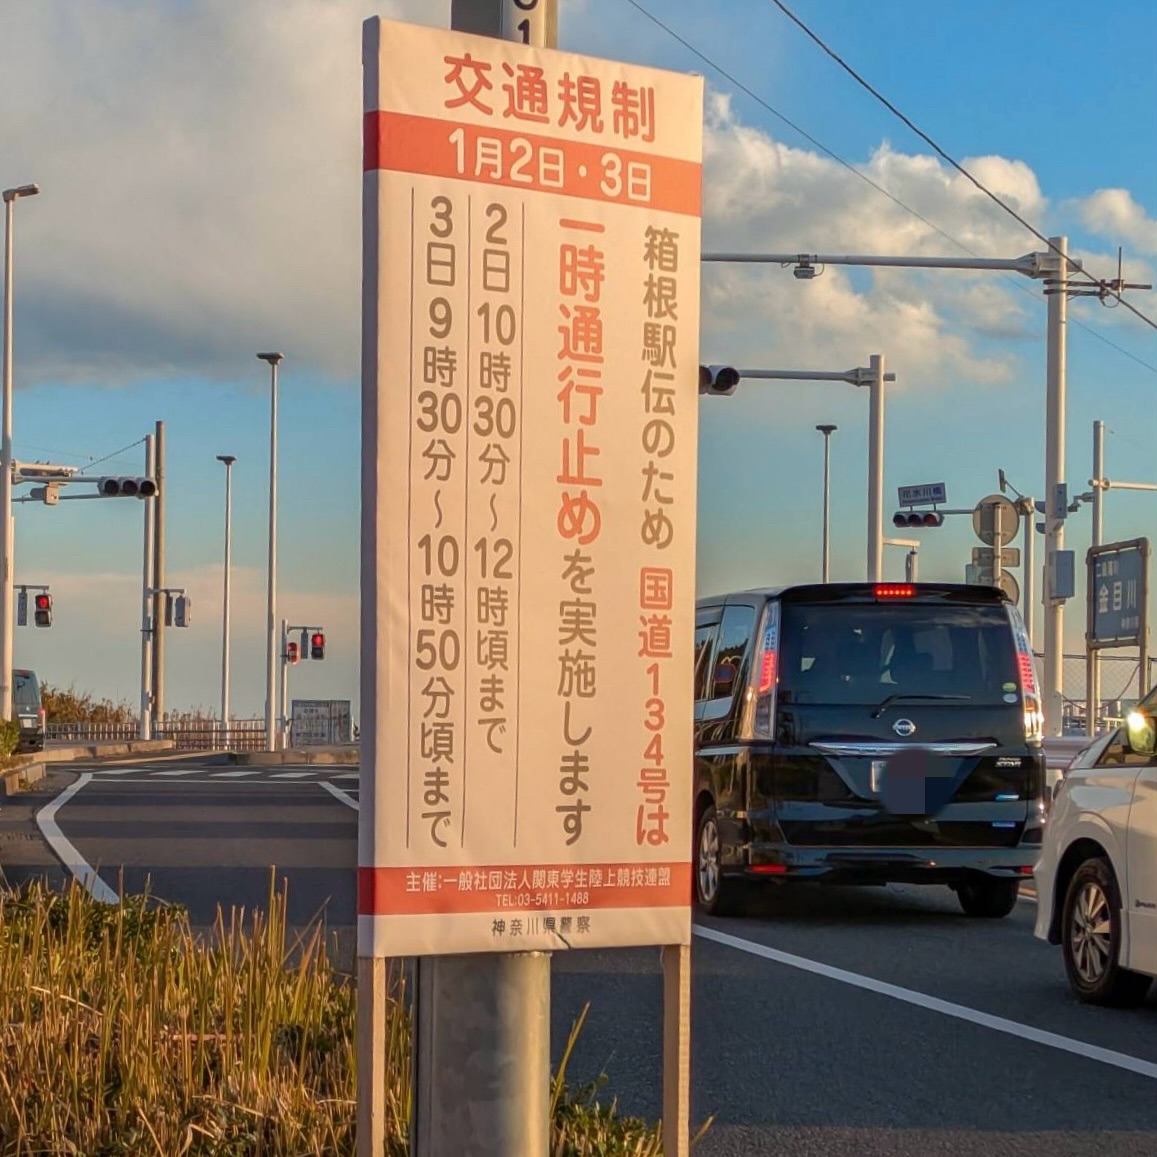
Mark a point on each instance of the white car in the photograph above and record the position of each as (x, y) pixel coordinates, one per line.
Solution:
(1096, 876)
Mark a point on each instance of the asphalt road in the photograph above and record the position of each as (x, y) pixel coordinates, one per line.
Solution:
(826, 1023)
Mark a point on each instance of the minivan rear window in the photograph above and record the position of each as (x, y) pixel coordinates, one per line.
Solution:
(858, 654)
(25, 690)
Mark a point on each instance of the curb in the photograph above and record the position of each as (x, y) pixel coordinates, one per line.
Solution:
(345, 756)
(75, 751)
(17, 779)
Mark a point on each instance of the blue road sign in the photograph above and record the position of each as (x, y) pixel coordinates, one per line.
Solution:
(1118, 589)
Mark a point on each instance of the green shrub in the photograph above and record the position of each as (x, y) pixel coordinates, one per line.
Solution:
(9, 737)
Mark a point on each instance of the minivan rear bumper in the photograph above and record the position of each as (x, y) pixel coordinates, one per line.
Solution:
(775, 862)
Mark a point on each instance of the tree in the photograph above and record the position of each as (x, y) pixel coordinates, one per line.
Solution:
(72, 706)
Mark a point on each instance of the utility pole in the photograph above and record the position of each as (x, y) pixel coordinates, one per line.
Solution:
(482, 1020)
(1054, 607)
(146, 731)
(159, 581)
(1092, 656)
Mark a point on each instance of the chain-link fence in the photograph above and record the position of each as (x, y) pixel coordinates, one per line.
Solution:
(1119, 688)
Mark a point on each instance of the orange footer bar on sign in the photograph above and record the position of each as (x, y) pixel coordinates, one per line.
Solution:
(538, 887)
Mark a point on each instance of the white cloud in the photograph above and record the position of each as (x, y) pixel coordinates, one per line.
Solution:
(199, 165)
(201, 183)
(1114, 215)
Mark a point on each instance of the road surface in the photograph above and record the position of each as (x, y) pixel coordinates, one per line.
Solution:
(826, 1023)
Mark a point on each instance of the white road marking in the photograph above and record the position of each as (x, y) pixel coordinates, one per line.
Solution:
(182, 771)
(231, 774)
(85, 875)
(348, 775)
(340, 795)
(935, 1004)
(293, 775)
(117, 771)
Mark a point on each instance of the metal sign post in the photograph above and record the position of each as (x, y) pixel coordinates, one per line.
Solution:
(530, 378)
(1117, 590)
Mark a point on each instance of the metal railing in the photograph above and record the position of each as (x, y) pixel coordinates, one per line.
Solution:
(196, 734)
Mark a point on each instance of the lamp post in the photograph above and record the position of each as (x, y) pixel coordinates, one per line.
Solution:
(228, 460)
(7, 538)
(723, 380)
(274, 360)
(827, 431)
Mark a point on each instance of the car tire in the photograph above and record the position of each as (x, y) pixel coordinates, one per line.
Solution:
(988, 899)
(715, 895)
(1091, 939)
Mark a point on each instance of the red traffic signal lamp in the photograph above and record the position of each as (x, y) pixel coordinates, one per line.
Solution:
(917, 518)
(317, 645)
(291, 652)
(44, 609)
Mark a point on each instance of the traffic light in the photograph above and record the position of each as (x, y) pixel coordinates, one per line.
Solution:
(44, 609)
(182, 610)
(127, 487)
(317, 645)
(291, 652)
(917, 518)
(718, 380)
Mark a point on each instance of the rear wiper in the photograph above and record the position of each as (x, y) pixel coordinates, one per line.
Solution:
(893, 698)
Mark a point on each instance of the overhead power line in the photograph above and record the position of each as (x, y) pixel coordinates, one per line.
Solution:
(1113, 289)
(739, 84)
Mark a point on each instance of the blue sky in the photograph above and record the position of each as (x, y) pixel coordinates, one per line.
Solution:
(200, 183)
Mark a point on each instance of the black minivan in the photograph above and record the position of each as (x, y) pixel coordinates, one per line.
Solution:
(28, 710)
(866, 733)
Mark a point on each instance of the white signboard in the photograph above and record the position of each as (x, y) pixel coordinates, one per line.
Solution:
(530, 376)
(926, 494)
(315, 722)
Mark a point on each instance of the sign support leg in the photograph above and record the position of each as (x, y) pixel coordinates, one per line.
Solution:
(371, 1046)
(677, 1050)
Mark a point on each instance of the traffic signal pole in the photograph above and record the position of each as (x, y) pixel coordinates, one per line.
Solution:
(158, 636)
(7, 534)
(146, 730)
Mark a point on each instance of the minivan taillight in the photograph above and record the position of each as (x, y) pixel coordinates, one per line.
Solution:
(1026, 672)
(767, 664)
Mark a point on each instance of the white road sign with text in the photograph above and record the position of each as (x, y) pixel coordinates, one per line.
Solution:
(531, 318)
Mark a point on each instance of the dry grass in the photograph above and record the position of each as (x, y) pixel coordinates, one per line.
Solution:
(123, 1033)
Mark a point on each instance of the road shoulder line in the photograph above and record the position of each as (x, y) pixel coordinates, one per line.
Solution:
(80, 868)
(935, 1004)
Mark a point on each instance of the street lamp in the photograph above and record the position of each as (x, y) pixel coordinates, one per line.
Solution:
(827, 430)
(724, 380)
(271, 610)
(228, 460)
(7, 538)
